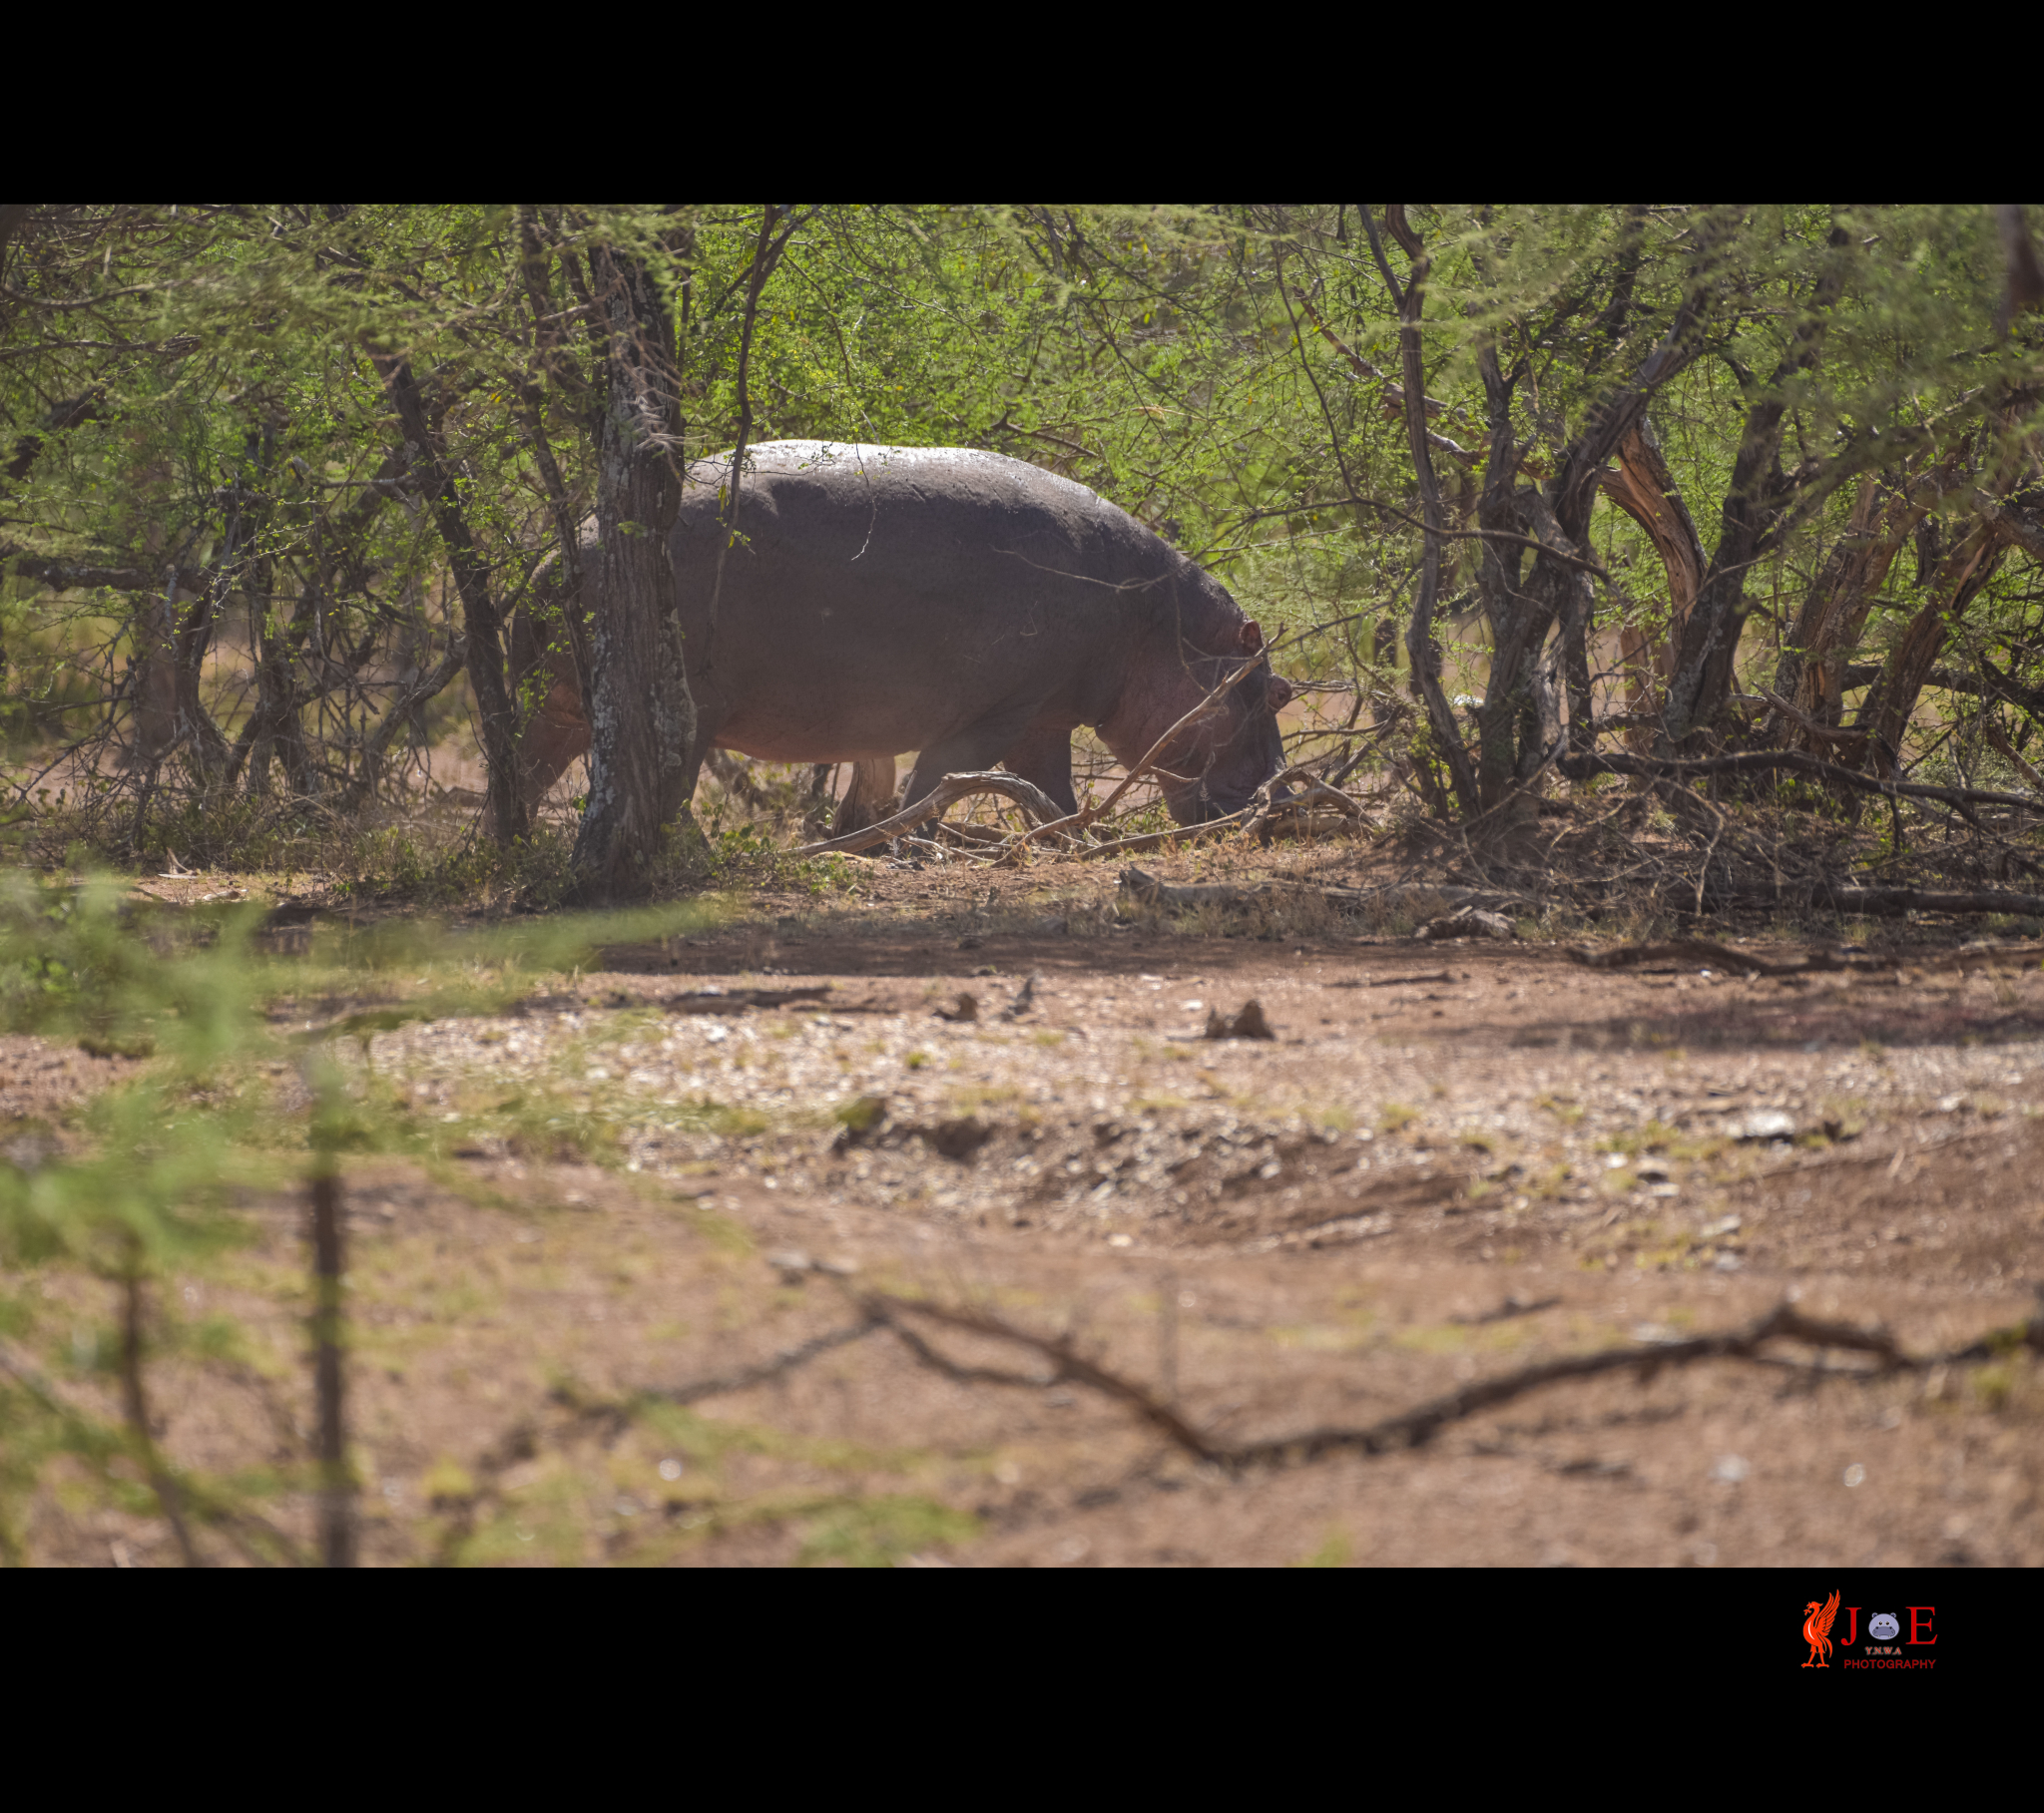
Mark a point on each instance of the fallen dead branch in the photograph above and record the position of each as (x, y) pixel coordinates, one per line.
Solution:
(1882, 903)
(1067, 1363)
(1158, 840)
(1321, 811)
(939, 800)
(1690, 951)
(1505, 1311)
(1147, 891)
(1410, 1428)
(1337, 1232)
(1699, 950)
(1312, 828)
(1467, 922)
(1415, 1427)
(767, 1371)
(727, 1001)
(1315, 810)
(697, 1001)
(1795, 761)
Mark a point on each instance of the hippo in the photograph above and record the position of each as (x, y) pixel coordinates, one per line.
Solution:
(969, 607)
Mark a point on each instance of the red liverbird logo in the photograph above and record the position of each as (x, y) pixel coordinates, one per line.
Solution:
(1817, 1630)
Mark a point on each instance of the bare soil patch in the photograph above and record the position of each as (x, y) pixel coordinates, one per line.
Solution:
(1451, 1159)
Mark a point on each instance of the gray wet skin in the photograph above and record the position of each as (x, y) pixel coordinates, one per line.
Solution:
(967, 606)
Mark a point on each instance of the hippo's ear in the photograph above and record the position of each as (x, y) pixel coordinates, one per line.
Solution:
(1250, 637)
(1278, 692)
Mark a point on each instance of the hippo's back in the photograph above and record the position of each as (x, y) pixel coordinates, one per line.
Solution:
(917, 514)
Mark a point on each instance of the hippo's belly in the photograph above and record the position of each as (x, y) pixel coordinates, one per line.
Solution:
(813, 666)
(774, 735)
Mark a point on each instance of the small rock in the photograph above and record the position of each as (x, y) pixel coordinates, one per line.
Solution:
(1249, 1023)
(1763, 1124)
(1731, 1468)
(1025, 997)
(959, 1139)
(961, 1011)
(1469, 922)
(792, 1262)
(861, 1122)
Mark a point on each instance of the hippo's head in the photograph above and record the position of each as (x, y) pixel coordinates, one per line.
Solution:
(1222, 762)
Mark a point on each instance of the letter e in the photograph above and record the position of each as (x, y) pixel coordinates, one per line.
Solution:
(1925, 1624)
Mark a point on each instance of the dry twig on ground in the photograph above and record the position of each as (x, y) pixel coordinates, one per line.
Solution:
(1690, 951)
(1145, 890)
(1408, 1429)
(939, 800)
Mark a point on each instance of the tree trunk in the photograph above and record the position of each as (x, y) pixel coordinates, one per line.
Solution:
(1558, 517)
(1960, 576)
(482, 629)
(1755, 500)
(1520, 691)
(1644, 488)
(1810, 676)
(274, 728)
(1419, 634)
(170, 713)
(643, 757)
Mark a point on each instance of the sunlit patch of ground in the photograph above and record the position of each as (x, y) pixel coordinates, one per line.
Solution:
(1449, 1161)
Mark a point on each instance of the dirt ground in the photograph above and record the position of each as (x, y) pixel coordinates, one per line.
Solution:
(1452, 1159)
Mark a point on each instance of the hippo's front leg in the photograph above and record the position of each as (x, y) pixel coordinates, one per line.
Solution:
(870, 797)
(972, 751)
(1043, 757)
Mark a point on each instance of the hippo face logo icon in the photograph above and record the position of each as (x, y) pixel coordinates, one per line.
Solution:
(1883, 1625)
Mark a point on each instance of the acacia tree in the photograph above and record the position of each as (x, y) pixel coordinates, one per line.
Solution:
(376, 434)
(262, 388)
(1865, 365)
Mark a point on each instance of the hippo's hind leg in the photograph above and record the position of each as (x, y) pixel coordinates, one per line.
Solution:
(870, 796)
(1043, 757)
(555, 736)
